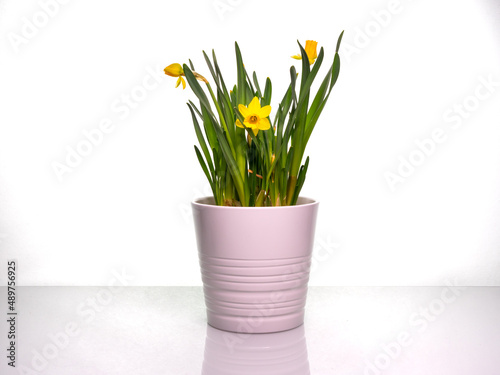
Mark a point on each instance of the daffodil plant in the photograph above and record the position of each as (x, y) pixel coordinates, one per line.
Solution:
(250, 156)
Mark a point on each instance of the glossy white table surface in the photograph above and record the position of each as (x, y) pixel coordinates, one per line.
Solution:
(348, 330)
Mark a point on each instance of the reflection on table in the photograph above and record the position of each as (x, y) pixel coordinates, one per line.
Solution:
(228, 353)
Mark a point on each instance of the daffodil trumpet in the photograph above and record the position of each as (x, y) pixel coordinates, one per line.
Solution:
(311, 51)
(251, 151)
(256, 117)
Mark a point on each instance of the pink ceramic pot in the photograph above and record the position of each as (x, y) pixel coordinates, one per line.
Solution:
(255, 264)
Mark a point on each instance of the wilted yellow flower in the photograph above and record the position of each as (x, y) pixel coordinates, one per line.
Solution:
(175, 70)
(255, 116)
(310, 49)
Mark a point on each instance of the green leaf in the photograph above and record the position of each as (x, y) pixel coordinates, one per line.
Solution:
(222, 119)
(312, 75)
(316, 107)
(298, 137)
(218, 175)
(242, 99)
(195, 86)
(336, 71)
(320, 99)
(339, 41)
(289, 160)
(241, 155)
(196, 109)
(320, 96)
(306, 67)
(283, 109)
(210, 127)
(234, 97)
(219, 74)
(227, 111)
(300, 182)
(249, 81)
(293, 78)
(202, 142)
(204, 167)
(268, 91)
(314, 120)
(233, 167)
(283, 180)
(259, 201)
(282, 146)
(211, 68)
(256, 81)
(302, 107)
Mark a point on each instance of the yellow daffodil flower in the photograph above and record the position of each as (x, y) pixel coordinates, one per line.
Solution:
(310, 49)
(175, 70)
(255, 116)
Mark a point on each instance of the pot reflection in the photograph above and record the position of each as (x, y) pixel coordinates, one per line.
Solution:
(282, 353)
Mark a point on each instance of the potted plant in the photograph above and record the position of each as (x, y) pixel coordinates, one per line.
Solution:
(255, 234)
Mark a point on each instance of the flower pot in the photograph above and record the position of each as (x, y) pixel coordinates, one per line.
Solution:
(255, 264)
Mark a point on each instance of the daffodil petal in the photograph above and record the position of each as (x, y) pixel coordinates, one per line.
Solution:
(265, 111)
(183, 83)
(311, 50)
(255, 131)
(174, 70)
(297, 57)
(264, 124)
(239, 124)
(243, 110)
(311, 46)
(254, 105)
(178, 82)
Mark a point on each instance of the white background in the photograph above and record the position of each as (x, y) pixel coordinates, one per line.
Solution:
(125, 206)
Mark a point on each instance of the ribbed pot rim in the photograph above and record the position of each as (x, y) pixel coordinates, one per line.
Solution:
(209, 201)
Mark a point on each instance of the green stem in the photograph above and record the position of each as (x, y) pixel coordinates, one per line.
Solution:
(260, 199)
(241, 159)
(292, 183)
(228, 195)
